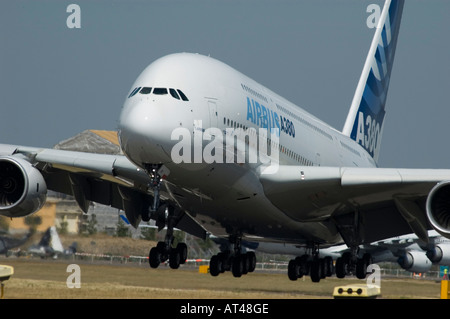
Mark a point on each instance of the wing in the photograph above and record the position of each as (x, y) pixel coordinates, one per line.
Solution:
(366, 204)
(106, 179)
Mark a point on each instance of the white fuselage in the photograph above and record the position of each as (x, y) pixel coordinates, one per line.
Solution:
(225, 197)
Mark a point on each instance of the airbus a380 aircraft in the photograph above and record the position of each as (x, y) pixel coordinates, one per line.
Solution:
(316, 186)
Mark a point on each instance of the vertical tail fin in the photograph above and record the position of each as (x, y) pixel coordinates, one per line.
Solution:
(364, 122)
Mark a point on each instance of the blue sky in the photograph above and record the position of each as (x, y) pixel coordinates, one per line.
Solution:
(56, 82)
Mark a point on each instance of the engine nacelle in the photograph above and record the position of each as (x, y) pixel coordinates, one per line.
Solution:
(438, 208)
(440, 254)
(23, 190)
(415, 261)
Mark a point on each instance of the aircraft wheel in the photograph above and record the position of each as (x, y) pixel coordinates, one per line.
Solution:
(316, 270)
(237, 267)
(328, 266)
(245, 264)
(215, 265)
(361, 266)
(174, 258)
(340, 267)
(304, 264)
(252, 261)
(154, 257)
(161, 246)
(293, 270)
(182, 248)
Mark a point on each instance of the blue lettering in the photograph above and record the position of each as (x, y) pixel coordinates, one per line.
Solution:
(250, 116)
(277, 122)
(264, 117)
(258, 113)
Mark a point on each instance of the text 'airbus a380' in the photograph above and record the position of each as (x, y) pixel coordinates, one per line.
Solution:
(209, 150)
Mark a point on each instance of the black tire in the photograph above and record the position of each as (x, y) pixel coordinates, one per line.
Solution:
(361, 268)
(182, 248)
(215, 265)
(328, 266)
(237, 267)
(245, 264)
(154, 257)
(316, 270)
(174, 259)
(252, 261)
(341, 267)
(161, 246)
(293, 270)
(224, 262)
(303, 265)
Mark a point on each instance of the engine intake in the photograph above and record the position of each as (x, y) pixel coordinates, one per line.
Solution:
(415, 261)
(438, 208)
(439, 254)
(23, 190)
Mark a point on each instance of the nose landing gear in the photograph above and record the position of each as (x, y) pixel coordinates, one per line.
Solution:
(164, 215)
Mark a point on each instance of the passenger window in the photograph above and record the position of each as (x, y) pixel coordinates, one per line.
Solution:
(183, 97)
(145, 90)
(160, 91)
(174, 93)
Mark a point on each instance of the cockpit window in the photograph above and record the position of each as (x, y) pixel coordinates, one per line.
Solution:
(145, 90)
(160, 91)
(174, 93)
(183, 97)
(134, 92)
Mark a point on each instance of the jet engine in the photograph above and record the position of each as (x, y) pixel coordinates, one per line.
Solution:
(438, 208)
(415, 261)
(23, 190)
(440, 254)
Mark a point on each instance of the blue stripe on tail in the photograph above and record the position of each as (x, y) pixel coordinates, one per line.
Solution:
(368, 121)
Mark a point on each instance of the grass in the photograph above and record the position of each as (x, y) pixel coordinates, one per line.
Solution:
(46, 279)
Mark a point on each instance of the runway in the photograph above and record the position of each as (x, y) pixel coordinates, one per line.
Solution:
(48, 279)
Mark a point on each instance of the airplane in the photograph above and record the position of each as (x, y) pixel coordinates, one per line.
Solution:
(7, 242)
(207, 149)
(50, 245)
(408, 251)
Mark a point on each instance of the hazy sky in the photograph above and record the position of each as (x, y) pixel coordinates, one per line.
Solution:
(56, 82)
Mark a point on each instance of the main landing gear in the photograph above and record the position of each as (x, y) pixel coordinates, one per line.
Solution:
(320, 268)
(164, 250)
(317, 268)
(350, 264)
(238, 262)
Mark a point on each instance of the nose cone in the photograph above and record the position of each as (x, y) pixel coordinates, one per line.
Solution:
(143, 131)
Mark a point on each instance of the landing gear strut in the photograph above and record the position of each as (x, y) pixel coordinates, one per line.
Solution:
(349, 263)
(238, 262)
(164, 215)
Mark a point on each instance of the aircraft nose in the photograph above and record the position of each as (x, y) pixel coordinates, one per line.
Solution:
(142, 133)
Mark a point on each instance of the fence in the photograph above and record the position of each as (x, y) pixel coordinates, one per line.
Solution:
(271, 266)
